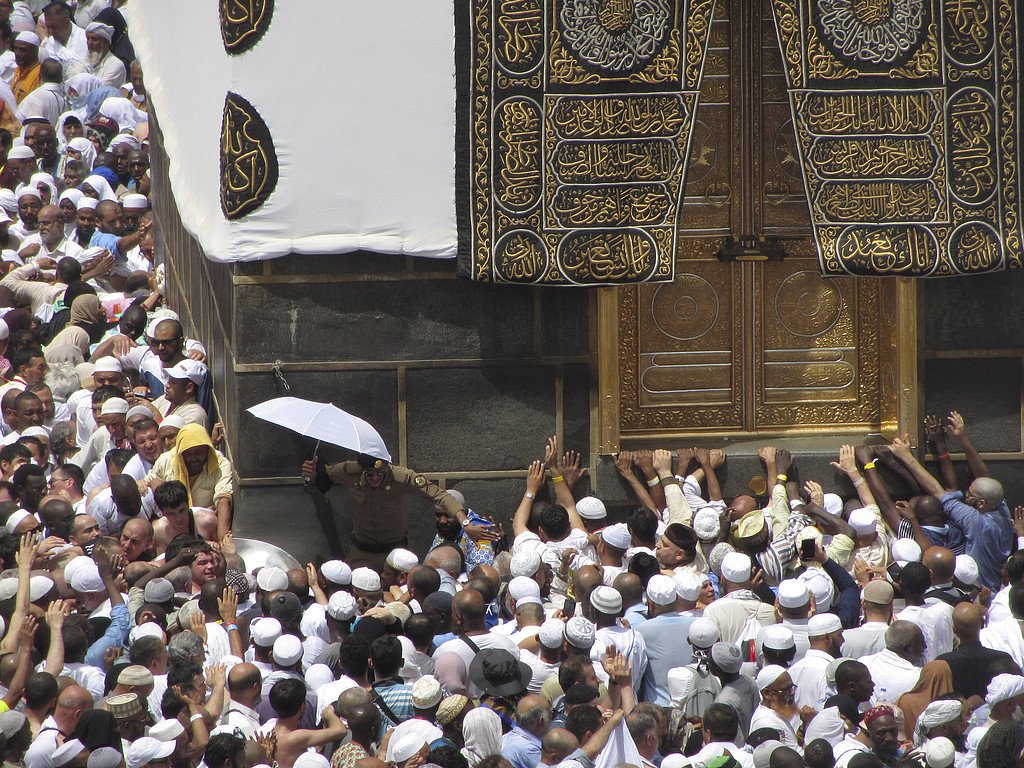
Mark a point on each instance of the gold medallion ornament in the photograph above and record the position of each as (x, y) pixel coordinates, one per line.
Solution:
(248, 161)
(574, 134)
(243, 23)
(907, 117)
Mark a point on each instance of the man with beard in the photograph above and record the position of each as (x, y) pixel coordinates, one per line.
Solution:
(85, 221)
(475, 547)
(49, 241)
(878, 736)
(824, 633)
(896, 669)
(27, 72)
(102, 63)
(940, 719)
(138, 167)
(778, 709)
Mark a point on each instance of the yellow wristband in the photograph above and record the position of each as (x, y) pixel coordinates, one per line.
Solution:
(781, 477)
(557, 479)
(870, 464)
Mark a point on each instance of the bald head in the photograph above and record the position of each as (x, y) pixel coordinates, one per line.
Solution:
(371, 762)
(533, 714)
(468, 609)
(941, 562)
(244, 677)
(630, 587)
(74, 697)
(587, 578)
(989, 491)
(352, 698)
(488, 572)
(557, 745)
(929, 511)
(364, 721)
(967, 622)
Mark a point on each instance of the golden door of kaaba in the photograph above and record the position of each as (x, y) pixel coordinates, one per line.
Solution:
(742, 343)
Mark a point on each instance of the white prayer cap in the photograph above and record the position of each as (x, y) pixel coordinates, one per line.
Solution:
(316, 760)
(606, 600)
(1004, 687)
(158, 590)
(905, 551)
(675, 760)
(88, 203)
(317, 676)
(823, 623)
(763, 753)
(173, 421)
(426, 692)
(617, 536)
(707, 523)
(580, 632)
(27, 37)
(166, 730)
(106, 757)
(75, 564)
(271, 579)
(287, 650)
(7, 199)
(189, 369)
(266, 631)
(821, 587)
(341, 606)
(402, 560)
(69, 750)
(523, 586)
(107, 364)
(777, 637)
(591, 508)
(703, 633)
(939, 752)
(5, 330)
(337, 572)
(155, 322)
(727, 657)
(117, 405)
(39, 587)
(528, 600)
(736, 568)
(863, 521)
(366, 580)
(138, 410)
(146, 629)
(966, 568)
(525, 563)
(101, 30)
(833, 504)
(457, 495)
(661, 590)
(551, 634)
(87, 580)
(688, 585)
(15, 519)
(35, 432)
(935, 714)
(828, 725)
(28, 191)
(793, 593)
(769, 675)
(404, 747)
(8, 587)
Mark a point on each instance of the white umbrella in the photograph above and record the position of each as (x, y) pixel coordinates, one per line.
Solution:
(323, 422)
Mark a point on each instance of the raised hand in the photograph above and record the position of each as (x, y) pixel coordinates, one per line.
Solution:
(847, 462)
(900, 447)
(815, 492)
(624, 463)
(864, 454)
(551, 454)
(783, 461)
(717, 458)
(907, 512)
(55, 614)
(703, 456)
(109, 657)
(956, 426)
(767, 453)
(197, 623)
(216, 674)
(684, 458)
(662, 462)
(309, 468)
(27, 632)
(227, 606)
(645, 461)
(571, 469)
(933, 430)
(534, 477)
(1018, 521)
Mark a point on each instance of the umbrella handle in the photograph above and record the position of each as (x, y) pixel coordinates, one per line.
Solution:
(306, 480)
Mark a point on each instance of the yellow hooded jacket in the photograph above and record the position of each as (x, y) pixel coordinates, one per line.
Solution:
(215, 482)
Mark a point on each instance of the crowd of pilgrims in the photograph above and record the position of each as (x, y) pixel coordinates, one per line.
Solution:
(797, 628)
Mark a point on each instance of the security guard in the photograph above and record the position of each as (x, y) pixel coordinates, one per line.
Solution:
(378, 489)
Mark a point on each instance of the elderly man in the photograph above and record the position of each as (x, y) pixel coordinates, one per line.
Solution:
(50, 241)
(67, 42)
(779, 710)
(203, 470)
(102, 63)
(378, 489)
(521, 746)
(896, 669)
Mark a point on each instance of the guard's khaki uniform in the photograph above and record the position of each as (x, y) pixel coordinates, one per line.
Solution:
(379, 519)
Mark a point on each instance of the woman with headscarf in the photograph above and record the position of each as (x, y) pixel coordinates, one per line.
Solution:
(86, 326)
(47, 187)
(482, 731)
(68, 204)
(80, 149)
(120, 110)
(69, 127)
(98, 185)
(936, 680)
(78, 88)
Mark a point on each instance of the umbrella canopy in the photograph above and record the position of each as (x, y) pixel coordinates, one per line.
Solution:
(324, 422)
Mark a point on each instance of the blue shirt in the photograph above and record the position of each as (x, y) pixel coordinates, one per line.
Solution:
(114, 637)
(989, 535)
(474, 554)
(520, 748)
(667, 647)
(103, 240)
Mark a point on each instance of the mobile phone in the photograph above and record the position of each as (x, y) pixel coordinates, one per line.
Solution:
(807, 549)
(893, 569)
(569, 609)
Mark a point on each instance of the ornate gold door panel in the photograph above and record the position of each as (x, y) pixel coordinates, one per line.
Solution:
(751, 346)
